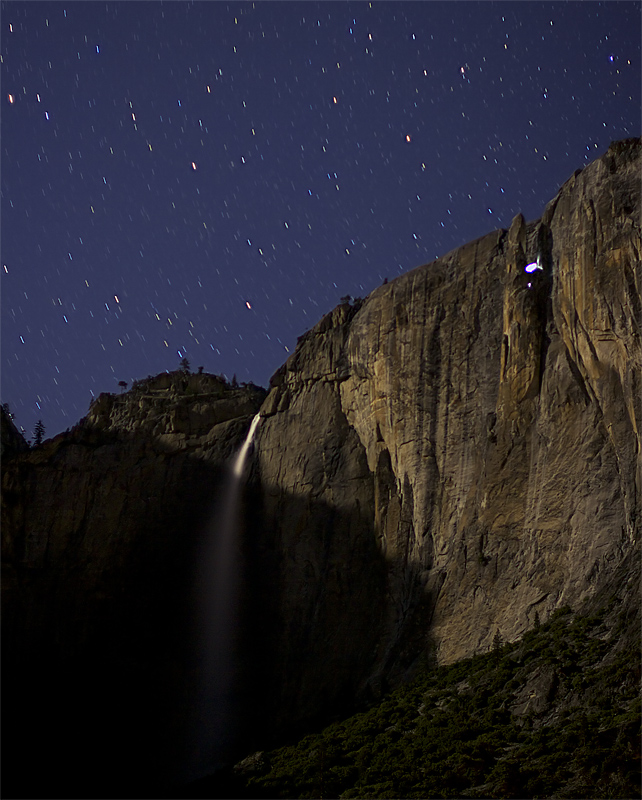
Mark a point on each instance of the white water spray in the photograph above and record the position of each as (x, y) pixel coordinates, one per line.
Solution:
(217, 616)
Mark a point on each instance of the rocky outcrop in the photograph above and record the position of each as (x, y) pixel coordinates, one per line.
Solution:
(176, 406)
(480, 424)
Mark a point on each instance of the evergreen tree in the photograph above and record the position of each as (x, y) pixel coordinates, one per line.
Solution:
(185, 365)
(497, 644)
(38, 433)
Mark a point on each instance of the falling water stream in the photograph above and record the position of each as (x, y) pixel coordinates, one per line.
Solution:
(217, 612)
(241, 456)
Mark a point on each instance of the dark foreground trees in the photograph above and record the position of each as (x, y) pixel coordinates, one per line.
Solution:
(38, 433)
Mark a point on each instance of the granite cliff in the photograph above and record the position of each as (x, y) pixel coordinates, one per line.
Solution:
(477, 428)
(436, 465)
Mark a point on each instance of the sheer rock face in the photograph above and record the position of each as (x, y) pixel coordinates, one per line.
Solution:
(435, 464)
(482, 422)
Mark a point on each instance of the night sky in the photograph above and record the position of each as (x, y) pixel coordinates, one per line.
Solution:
(207, 180)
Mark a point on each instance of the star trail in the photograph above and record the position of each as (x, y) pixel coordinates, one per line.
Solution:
(206, 180)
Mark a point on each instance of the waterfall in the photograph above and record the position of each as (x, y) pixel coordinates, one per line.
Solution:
(217, 617)
(239, 461)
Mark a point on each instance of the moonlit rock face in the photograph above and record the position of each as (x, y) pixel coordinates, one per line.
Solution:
(459, 405)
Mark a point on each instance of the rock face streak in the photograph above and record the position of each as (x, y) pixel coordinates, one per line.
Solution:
(481, 424)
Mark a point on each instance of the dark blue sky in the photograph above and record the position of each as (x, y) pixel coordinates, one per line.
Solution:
(209, 179)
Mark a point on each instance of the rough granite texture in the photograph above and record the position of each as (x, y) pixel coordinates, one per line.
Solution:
(435, 464)
(484, 421)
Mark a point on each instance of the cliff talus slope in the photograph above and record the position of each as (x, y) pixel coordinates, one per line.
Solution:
(484, 419)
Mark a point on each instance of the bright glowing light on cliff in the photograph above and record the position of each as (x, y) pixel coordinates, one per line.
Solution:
(533, 266)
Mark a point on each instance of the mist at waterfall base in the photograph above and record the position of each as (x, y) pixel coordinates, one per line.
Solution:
(210, 732)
